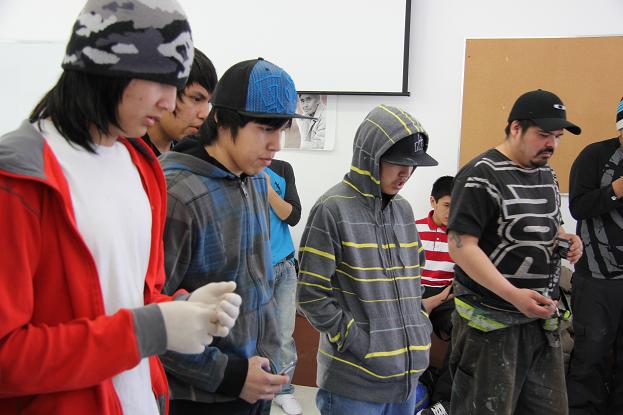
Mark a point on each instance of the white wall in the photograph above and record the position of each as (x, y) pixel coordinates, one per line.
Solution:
(438, 32)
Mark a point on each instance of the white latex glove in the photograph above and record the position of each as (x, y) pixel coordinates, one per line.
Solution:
(222, 296)
(190, 327)
(213, 292)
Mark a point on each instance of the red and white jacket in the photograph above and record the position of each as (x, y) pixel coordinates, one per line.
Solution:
(58, 349)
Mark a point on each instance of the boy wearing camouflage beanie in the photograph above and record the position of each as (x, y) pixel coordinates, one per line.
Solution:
(82, 207)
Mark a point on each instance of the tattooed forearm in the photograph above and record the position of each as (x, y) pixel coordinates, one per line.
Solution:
(456, 238)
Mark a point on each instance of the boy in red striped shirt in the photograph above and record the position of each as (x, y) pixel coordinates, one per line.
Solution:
(437, 277)
(438, 271)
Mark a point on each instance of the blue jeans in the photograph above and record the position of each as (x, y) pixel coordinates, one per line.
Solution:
(332, 404)
(285, 298)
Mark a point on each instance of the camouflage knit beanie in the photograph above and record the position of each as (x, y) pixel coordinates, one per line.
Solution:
(145, 39)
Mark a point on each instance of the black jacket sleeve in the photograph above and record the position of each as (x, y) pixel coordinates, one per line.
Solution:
(291, 196)
(587, 197)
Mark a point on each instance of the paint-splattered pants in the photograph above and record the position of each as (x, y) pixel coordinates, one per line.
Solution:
(512, 371)
(595, 377)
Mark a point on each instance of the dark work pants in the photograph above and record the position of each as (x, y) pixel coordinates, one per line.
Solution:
(598, 326)
(443, 387)
(441, 318)
(511, 371)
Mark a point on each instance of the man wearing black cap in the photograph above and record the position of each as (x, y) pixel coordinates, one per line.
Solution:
(359, 279)
(217, 229)
(503, 226)
(595, 192)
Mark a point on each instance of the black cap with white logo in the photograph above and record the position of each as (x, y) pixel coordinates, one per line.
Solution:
(410, 151)
(543, 108)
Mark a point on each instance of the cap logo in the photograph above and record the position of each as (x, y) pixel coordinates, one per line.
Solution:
(419, 144)
(560, 107)
(271, 90)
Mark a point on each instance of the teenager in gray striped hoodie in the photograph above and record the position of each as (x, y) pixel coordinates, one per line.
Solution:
(359, 279)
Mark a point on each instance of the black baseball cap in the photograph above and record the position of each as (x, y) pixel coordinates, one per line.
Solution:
(257, 88)
(543, 108)
(410, 151)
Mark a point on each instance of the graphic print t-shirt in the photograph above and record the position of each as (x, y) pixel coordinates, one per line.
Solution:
(515, 213)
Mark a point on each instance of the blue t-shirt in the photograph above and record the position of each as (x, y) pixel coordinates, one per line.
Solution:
(282, 181)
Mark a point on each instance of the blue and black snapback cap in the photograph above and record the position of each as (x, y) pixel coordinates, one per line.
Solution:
(257, 88)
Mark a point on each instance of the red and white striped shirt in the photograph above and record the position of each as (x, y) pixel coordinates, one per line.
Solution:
(439, 268)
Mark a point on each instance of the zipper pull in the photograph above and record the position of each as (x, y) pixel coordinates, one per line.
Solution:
(243, 187)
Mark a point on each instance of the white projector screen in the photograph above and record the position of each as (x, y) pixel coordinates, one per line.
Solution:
(328, 46)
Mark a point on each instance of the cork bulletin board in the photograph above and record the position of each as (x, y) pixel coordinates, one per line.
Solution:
(586, 73)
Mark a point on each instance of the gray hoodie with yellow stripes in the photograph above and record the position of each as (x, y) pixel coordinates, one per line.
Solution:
(359, 279)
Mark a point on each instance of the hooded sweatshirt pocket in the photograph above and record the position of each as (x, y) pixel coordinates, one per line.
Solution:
(387, 356)
(398, 347)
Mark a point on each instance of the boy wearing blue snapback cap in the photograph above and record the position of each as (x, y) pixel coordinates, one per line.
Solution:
(217, 229)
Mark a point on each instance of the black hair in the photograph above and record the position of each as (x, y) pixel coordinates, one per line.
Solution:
(234, 121)
(523, 125)
(79, 101)
(442, 187)
(202, 72)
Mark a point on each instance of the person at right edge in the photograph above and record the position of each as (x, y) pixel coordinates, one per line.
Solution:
(595, 191)
(502, 232)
